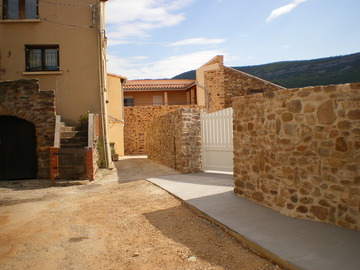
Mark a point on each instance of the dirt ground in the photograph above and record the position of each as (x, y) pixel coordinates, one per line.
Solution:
(111, 225)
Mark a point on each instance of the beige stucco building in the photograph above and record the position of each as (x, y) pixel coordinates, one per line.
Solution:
(116, 112)
(63, 44)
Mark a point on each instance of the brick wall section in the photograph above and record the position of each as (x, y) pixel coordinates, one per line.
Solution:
(298, 151)
(174, 140)
(23, 99)
(136, 120)
(225, 83)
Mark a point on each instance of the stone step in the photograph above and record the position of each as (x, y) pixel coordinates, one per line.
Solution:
(74, 145)
(73, 140)
(66, 128)
(72, 134)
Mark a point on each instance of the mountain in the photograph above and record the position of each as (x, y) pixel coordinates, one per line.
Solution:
(292, 74)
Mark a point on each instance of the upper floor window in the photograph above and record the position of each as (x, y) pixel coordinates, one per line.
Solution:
(20, 9)
(42, 57)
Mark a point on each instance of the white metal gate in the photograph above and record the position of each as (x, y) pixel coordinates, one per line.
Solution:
(217, 142)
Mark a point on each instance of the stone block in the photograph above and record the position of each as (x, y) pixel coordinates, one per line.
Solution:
(258, 196)
(326, 113)
(294, 106)
(354, 115)
(286, 117)
(320, 212)
(341, 145)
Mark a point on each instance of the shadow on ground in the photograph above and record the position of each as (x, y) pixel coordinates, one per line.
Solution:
(140, 169)
(25, 184)
(199, 232)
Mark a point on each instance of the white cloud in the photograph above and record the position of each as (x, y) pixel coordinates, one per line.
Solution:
(137, 68)
(131, 20)
(284, 9)
(197, 41)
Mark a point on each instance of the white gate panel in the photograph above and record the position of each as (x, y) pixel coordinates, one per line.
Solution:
(217, 143)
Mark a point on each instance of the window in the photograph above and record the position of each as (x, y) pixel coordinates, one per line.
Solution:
(128, 101)
(42, 57)
(20, 9)
(157, 100)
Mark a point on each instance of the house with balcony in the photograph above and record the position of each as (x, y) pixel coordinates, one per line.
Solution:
(61, 44)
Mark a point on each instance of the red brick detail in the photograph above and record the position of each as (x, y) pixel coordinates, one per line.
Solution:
(89, 166)
(54, 162)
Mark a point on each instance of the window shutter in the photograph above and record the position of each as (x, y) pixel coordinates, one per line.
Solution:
(5, 5)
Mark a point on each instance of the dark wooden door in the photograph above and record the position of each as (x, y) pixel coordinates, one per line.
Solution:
(18, 155)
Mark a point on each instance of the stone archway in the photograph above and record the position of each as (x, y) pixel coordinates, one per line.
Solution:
(17, 149)
(23, 100)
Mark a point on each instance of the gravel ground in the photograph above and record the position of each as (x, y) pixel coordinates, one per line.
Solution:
(111, 225)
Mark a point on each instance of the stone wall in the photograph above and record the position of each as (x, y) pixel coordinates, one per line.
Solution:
(225, 83)
(136, 120)
(174, 140)
(298, 151)
(23, 99)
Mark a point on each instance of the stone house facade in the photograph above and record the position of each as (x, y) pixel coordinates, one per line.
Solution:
(23, 99)
(218, 84)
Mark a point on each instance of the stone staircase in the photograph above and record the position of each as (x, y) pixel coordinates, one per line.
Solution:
(71, 158)
(71, 137)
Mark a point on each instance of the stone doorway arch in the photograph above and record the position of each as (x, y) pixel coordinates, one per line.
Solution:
(23, 100)
(17, 149)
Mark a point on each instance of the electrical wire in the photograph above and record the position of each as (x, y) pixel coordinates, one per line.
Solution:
(66, 24)
(13, 11)
(69, 5)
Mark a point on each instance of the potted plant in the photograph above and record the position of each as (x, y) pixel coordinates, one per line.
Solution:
(84, 121)
(114, 156)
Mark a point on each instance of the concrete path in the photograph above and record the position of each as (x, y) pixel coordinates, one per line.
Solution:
(131, 168)
(293, 243)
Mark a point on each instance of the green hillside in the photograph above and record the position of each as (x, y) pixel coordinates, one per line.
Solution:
(292, 74)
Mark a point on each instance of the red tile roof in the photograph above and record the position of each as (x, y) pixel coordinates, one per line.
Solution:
(157, 85)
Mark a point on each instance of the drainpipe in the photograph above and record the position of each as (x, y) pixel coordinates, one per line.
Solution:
(207, 95)
(102, 80)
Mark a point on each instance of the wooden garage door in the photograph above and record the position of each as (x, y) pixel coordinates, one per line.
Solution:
(18, 155)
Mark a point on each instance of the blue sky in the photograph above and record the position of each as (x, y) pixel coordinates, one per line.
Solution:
(151, 39)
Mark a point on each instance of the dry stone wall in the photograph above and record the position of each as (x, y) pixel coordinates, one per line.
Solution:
(23, 99)
(174, 140)
(136, 120)
(298, 151)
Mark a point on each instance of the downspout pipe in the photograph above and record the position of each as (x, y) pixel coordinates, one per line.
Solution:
(206, 94)
(102, 78)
